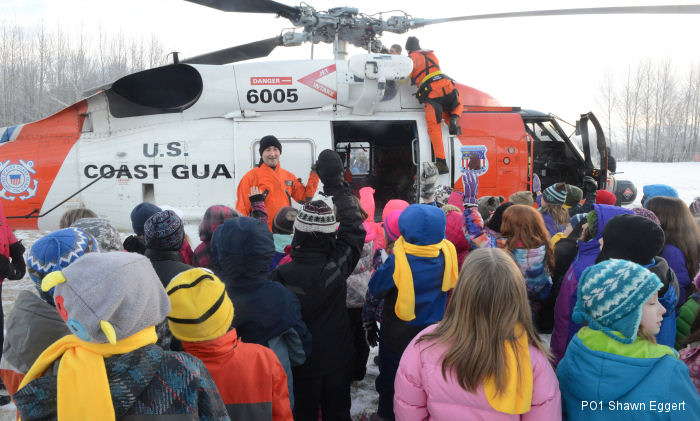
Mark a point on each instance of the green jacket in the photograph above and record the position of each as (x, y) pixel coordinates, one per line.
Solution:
(686, 316)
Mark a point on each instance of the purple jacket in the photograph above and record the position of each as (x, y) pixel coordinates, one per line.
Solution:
(550, 224)
(564, 328)
(676, 261)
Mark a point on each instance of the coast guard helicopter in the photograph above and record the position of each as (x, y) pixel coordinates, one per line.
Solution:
(185, 133)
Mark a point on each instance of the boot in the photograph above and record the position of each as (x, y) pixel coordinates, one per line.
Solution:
(441, 165)
(454, 125)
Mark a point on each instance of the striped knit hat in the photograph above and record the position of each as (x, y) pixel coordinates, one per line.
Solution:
(56, 251)
(164, 231)
(611, 295)
(316, 216)
(555, 194)
(283, 223)
(391, 225)
(200, 308)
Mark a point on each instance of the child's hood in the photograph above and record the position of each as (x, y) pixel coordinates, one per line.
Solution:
(422, 224)
(597, 375)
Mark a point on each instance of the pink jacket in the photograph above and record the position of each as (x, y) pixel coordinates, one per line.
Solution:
(421, 393)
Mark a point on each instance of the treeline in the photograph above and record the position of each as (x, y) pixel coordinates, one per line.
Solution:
(45, 68)
(652, 111)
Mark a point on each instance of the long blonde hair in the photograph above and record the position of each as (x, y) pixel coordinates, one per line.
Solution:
(489, 300)
(559, 214)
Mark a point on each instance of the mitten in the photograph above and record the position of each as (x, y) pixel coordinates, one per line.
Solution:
(429, 175)
(471, 188)
(133, 244)
(330, 170)
(536, 183)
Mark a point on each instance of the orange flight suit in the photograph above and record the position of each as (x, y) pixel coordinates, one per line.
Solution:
(281, 186)
(443, 99)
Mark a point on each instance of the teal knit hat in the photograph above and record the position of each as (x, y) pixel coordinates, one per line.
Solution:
(611, 295)
(555, 194)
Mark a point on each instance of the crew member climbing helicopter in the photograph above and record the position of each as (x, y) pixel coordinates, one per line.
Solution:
(437, 91)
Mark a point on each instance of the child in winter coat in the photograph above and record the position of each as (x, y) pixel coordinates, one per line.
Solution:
(213, 217)
(164, 234)
(682, 248)
(249, 377)
(414, 282)
(554, 215)
(686, 315)
(454, 232)
(325, 249)
(110, 367)
(615, 363)
(282, 230)
(34, 323)
(588, 249)
(483, 360)
(139, 215)
(640, 240)
(690, 355)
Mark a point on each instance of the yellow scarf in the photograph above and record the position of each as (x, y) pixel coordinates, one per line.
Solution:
(83, 388)
(517, 395)
(403, 278)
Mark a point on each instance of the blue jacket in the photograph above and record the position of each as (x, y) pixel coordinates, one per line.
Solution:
(419, 225)
(564, 328)
(604, 379)
(676, 260)
(241, 251)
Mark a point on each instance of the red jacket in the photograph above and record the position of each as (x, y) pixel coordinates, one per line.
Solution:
(249, 377)
(280, 184)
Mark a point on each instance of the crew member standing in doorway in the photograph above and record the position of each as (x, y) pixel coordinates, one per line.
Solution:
(278, 186)
(438, 93)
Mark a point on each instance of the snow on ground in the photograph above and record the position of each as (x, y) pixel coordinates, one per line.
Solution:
(684, 176)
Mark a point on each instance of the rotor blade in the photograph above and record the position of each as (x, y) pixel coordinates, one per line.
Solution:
(252, 6)
(255, 49)
(675, 9)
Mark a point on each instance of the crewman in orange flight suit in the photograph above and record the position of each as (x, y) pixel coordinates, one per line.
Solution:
(438, 93)
(277, 185)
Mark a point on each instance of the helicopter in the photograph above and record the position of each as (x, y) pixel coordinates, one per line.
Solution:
(186, 133)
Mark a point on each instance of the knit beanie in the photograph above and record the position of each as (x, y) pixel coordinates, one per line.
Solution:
(605, 197)
(391, 225)
(576, 219)
(646, 213)
(56, 251)
(592, 219)
(392, 205)
(200, 308)
(164, 231)
(268, 141)
(555, 194)
(611, 295)
(522, 198)
(632, 238)
(412, 44)
(496, 219)
(213, 217)
(653, 190)
(573, 195)
(140, 214)
(487, 205)
(316, 216)
(442, 195)
(284, 220)
(106, 297)
(695, 207)
(104, 232)
(429, 175)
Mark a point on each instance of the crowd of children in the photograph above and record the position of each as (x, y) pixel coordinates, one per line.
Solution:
(272, 317)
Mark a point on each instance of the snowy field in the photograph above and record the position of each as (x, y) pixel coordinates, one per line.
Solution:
(684, 176)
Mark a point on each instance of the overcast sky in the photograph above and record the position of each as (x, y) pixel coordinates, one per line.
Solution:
(552, 64)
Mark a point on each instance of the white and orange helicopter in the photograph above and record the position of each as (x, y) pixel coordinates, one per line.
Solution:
(185, 133)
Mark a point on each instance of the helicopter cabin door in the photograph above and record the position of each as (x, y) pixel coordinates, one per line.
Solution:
(382, 154)
(301, 141)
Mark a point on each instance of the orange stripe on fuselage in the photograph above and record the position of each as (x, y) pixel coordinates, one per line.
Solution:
(47, 143)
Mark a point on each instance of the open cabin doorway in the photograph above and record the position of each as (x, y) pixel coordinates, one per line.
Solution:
(382, 154)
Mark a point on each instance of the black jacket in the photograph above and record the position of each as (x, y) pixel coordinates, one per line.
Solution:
(168, 264)
(317, 275)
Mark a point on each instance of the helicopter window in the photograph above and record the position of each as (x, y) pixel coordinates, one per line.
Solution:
(356, 156)
(167, 89)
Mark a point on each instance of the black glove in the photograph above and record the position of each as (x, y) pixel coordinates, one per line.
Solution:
(330, 170)
(17, 256)
(589, 184)
(371, 333)
(256, 198)
(133, 244)
(5, 266)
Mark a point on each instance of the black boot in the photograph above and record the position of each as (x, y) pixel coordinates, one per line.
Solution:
(441, 165)
(454, 125)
